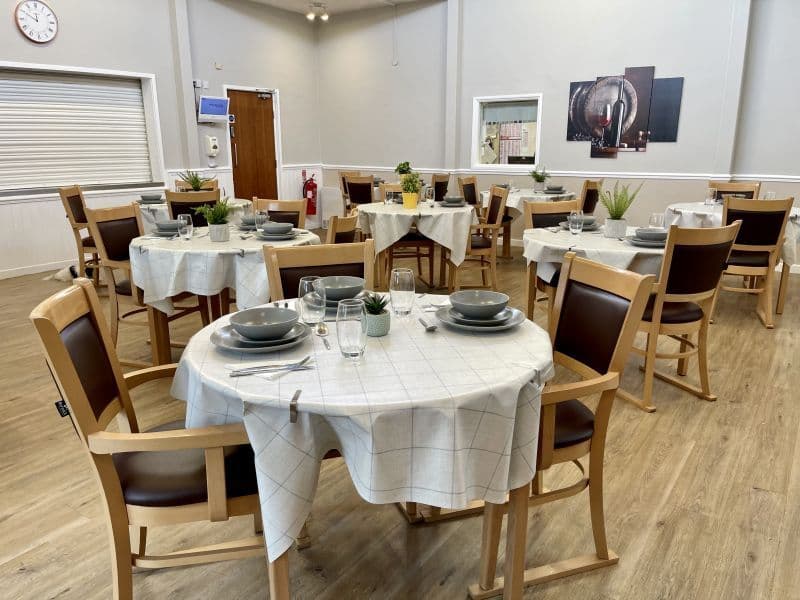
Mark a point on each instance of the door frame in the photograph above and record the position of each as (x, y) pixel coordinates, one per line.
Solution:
(276, 134)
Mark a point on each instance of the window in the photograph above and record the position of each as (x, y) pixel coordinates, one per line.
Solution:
(505, 132)
(60, 128)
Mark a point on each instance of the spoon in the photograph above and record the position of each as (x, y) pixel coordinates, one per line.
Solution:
(322, 332)
(429, 328)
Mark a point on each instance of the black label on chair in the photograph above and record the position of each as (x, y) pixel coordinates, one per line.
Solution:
(62, 408)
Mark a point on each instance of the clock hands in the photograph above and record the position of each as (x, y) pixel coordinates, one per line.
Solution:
(36, 18)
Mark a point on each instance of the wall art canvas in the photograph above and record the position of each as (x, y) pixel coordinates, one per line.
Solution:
(665, 109)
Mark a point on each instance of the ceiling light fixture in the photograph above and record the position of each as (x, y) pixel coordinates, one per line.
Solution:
(310, 15)
(324, 16)
(317, 9)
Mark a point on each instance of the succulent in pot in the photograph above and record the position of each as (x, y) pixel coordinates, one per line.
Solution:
(217, 217)
(539, 177)
(403, 168)
(194, 180)
(617, 202)
(378, 318)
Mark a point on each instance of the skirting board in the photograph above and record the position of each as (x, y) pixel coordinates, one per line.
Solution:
(30, 269)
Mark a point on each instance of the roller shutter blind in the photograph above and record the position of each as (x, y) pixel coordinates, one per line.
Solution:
(60, 129)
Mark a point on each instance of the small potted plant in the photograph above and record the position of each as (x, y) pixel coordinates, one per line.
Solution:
(403, 168)
(411, 185)
(378, 318)
(193, 180)
(539, 178)
(617, 201)
(217, 217)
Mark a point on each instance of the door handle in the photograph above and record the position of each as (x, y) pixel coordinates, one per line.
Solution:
(235, 156)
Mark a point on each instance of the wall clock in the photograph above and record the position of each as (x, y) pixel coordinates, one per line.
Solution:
(36, 20)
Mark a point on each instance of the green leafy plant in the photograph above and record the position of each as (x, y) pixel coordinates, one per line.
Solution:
(215, 214)
(618, 200)
(403, 168)
(375, 304)
(411, 183)
(194, 180)
(540, 176)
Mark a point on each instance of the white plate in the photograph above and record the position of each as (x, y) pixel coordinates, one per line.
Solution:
(223, 339)
(500, 318)
(517, 317)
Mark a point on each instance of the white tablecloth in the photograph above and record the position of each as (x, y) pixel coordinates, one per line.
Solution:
(164, 268)
(154, 213)
(448, 227)
(699, 214)
(424, 418)
(547, 249)
(515, 203)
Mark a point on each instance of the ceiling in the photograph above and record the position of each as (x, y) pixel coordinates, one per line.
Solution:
(334, 6)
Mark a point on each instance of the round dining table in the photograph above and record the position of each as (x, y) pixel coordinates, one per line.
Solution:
(155, 213)
(515, 202)
(423, 417)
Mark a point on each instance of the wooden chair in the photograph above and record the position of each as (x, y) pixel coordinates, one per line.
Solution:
(342, 230)
(757, 249)
(167, 475)
(538, 215)
(185, 203)
(359, 190)
(440, 183)
(593, 344)
(182, 186)
(384, 189)
(113, 230)
(287, 265)
(590, 194)
(468, 186)
(482, 242)
(680, 307)
(75, 207)
(284, 211)
(747, 189)
(343, 175)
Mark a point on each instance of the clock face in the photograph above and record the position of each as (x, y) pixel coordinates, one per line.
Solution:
(36, 20)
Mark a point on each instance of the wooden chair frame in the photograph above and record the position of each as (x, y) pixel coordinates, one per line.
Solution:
(486, 258)
(438, 178)
(298, 206)
(760, 279)
(321, 255)
(339, 224)
(206, 196)
(182, 186)
(49, 319)
(77, 227)
(725, 188)
(635, 288)
(471, 180)
(343, 188)
(679, 332)
(386, 188)
(352, 208)
(533, 282)
(588, 184)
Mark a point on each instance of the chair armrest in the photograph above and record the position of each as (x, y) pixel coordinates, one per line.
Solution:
(137, 378)
(561, 392)
(482, 226)
(110, 442)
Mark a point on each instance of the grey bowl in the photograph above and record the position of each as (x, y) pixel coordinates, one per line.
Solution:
(453, 199)
(171, 225)
(588, 219)
(342, 287)
(264, 323)
(478, 304)
(273, 228)
(151, 197)
(654, 235)
(555, 188)
(248, 220)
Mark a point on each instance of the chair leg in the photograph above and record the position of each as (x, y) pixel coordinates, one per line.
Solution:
(649, 367)
(96, 270)
(507, 240)
(202, 306)
(490, 542)
(516, 534)
(683, 363)
(139, 542)
(258, 521)
(537, 484)
(765, 307)
(279, 578)
(531, 284)
(431, 255)
(113, 304)
(784, 283)
(714, 302)
(493, 271)
(596, 505)
(702, 360)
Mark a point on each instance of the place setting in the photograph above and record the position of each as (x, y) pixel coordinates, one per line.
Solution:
(261, 330)
(146, 199)
(554, 190)
(479, 311)
(653, 236)
(453, 202)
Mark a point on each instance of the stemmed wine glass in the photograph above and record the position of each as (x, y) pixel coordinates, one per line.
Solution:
(604, 120)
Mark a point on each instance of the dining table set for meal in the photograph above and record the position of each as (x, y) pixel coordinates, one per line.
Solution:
(154, 209)
(517, 197)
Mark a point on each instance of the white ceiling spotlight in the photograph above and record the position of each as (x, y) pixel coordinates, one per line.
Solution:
(317, 9)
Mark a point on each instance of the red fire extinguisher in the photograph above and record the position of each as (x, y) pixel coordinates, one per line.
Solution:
(310, 193)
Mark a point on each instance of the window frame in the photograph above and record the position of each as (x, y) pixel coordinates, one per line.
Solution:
(477, 103)
(152, 124)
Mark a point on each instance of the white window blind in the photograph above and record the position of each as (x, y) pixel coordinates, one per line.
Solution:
(60, 129)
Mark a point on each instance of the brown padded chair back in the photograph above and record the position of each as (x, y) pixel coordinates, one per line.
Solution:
(358, 192)
(697, 269)
(117, 236)
(590, 201)
(470, 193)
(760, 228)
(345, 237)
(493, 215)
(439, 190)
(188, 208)
(590, 336)
(290, 276)
(285, 216)
(549, 220)
(77, 206)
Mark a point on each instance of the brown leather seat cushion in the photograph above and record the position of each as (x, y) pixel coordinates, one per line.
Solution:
(414, 237)
(179, 477)
(574, 423)
(748, 259)
(88, 242)
(674, 312)
(123, 287)
(478, 241)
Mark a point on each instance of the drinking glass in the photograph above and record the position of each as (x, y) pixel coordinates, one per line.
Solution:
(351, 328)
(711, 196)
(311, 300)
(401, 291)
(260, 218)
(769, 196)
(185, 226)
(657, 220)
(575, 220)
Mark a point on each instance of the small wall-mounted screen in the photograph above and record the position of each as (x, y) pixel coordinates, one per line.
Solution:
(212, 109)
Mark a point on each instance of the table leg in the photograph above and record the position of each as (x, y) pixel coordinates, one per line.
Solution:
(214, 306)
(516, 535)
(159, 336)
(225, 301)
(279, 578)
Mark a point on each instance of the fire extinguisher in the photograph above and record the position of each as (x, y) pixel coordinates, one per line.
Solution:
(310, 193)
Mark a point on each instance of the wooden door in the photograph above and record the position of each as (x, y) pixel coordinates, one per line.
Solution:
(253, 144)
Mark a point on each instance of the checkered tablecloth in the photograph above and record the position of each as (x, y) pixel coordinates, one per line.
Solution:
(164, 268)
(438, 418)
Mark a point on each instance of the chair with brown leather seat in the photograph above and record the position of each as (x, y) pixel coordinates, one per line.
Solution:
(359, 190)
(590, 194)
(596, 312)
(440, 183)
(680, 307)
(287, 265)
(186, 203)
(757, 249)
(75, 207)
(342, 230)
(343, 175)
(742, 189)
(283, 211)
(113, 230)
(539, 215)
(167, 475)
(469, 189)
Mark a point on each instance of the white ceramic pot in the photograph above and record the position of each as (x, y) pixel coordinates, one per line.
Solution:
(219, 233)
(615, 228)
(378, 325)
(538, 186)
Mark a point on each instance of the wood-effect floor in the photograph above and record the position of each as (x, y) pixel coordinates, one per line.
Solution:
(702, 499)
